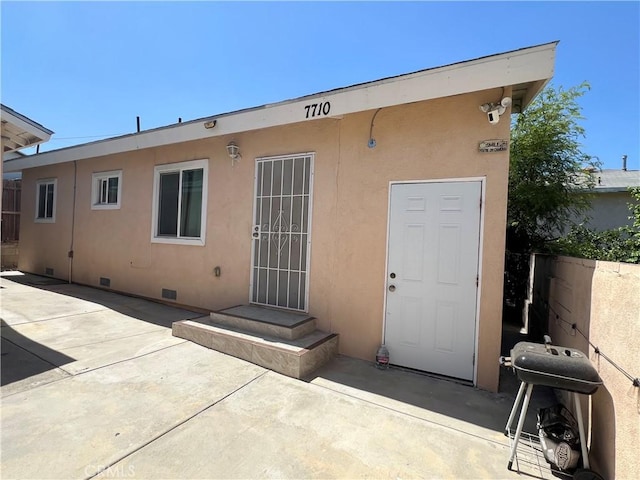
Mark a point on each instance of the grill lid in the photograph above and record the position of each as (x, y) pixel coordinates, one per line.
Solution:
(555, 366)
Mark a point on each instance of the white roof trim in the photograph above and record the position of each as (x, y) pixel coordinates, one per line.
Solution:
(534, 64)
(27, 130)
(13, 154)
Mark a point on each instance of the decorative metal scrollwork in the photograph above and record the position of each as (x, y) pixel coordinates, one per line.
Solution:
(280, 232)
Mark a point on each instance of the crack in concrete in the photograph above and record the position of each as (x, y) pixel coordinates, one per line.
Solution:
(179, 424)
(448, 427)
(71, 374)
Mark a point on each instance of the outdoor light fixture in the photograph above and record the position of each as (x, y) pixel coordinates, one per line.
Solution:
(210, 124)
(234, 152)
(494, 110)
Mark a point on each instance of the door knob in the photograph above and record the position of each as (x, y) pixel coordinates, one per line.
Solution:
(392, 288)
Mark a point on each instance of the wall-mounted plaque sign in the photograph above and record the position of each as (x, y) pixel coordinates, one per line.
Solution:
(487, 146)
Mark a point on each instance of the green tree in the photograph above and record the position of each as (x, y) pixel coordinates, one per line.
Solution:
(547, 169)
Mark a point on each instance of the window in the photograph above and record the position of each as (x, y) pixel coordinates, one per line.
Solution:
(180, 203)
(106, 190)
(46, 200)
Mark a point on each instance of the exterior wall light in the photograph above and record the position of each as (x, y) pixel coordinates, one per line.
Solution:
(234, 152)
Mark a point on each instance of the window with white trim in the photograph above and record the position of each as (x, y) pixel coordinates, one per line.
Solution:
(180, 203)
(46, 200)
(106, 190)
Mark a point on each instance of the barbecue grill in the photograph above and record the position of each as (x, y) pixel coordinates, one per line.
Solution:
(552, 366)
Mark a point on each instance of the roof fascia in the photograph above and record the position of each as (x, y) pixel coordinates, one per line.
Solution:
(12, 155)
(25, 123)
(533, 64)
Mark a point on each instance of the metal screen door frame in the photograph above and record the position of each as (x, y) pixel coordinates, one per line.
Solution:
(281, 231)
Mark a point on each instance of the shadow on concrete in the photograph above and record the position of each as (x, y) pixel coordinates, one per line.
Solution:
(441, 396)
(157, 313)
(18, 360)
(444, 397)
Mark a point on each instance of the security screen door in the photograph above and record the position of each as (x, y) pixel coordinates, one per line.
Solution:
(282, 231)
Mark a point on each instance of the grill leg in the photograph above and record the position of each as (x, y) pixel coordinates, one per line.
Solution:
(523, 415)
(583, 442)
(515, 407)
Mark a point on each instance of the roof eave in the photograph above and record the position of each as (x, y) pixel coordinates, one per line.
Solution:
(19, 131)
(529, 68)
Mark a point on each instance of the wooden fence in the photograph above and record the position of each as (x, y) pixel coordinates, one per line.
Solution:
(11, 191)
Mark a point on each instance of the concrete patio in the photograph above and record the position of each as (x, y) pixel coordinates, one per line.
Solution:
(94, 385)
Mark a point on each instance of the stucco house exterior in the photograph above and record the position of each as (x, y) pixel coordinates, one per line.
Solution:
(17, 133)
(610, 198)
(379, 209)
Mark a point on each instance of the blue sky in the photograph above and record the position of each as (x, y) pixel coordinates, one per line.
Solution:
(87, 69)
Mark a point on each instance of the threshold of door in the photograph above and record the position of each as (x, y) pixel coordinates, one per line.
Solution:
(460, 381)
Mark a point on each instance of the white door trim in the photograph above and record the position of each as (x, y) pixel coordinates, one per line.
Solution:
(482, 181)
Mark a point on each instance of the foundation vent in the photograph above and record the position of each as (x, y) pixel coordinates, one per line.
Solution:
(48, 271)
(105, 282)
(169, 294)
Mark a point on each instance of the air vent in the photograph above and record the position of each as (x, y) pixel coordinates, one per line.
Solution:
(105, 282)
(48, 271)
(169, 294)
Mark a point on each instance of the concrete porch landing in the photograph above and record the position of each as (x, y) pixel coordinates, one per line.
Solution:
(282, 341)
(268, 321)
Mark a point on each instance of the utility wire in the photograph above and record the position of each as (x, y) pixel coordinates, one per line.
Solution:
(634, 380)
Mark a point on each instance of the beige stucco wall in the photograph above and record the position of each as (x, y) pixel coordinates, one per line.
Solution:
(421, 141)
(608, 210)
(603, 300)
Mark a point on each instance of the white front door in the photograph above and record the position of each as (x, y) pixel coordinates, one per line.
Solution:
(432, 276)
(282, 231)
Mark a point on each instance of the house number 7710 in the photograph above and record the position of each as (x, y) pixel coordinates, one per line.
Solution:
(317, 109)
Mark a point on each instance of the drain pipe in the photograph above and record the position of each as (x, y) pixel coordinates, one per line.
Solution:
(73, 219)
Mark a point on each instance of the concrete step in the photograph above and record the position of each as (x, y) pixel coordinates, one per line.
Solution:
(292, 357)
(265, 321)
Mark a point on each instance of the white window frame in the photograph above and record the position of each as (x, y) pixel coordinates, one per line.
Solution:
(46, 181)
(96, 182)
(179, 167)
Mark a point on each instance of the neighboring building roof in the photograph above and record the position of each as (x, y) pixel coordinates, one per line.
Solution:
(615, 180)
(526, 70)
(19, 131)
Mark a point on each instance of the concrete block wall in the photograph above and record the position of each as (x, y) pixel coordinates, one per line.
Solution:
(602, 299)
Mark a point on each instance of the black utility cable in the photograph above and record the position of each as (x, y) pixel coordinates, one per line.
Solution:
(635, 381)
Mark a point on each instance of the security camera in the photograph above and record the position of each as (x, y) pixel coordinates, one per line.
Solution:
(494, 110)
(493, 116)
